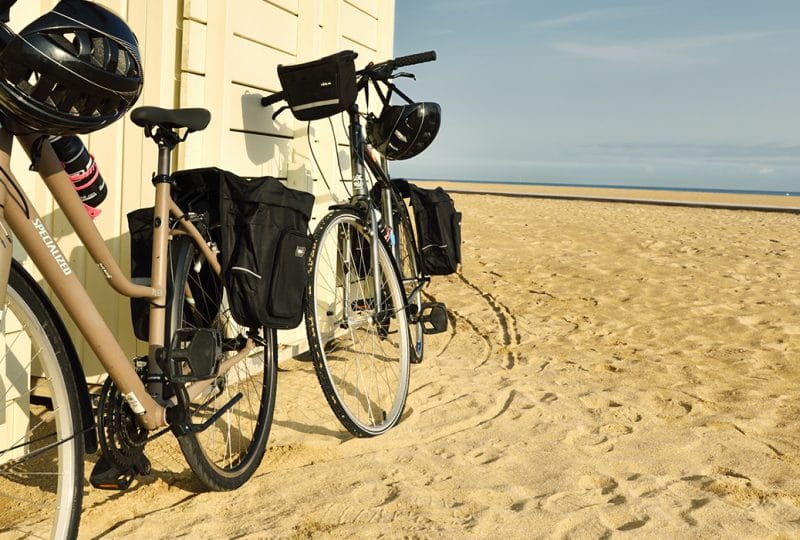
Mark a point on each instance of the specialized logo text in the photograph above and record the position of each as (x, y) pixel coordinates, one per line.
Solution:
(52, 246)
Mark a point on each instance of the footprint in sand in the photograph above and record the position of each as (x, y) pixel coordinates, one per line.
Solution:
(615, 429)
(549, 398)
(590, 440)
(671, 407)
(619, 519)
(615, 418)
(483, 456)
(595, 511)
(605, 484)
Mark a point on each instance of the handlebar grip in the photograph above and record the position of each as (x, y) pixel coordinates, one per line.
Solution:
(266, 101)
(418, 58)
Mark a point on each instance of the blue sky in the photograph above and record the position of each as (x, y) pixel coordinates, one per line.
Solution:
(668, 93)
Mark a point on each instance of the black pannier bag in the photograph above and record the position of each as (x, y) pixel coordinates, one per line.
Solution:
(320, 88)
(196, 191)
(438, 230)
(140, 225)
(265, 249)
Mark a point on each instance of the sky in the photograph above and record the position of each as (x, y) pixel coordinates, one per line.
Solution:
(661, 93)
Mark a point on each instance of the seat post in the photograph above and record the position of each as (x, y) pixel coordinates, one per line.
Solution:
(164, 160)
(166, 140)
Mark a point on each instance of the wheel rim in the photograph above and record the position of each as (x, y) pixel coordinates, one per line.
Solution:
(228, 442)
(411, 281)
(361, 351)
(35, 485)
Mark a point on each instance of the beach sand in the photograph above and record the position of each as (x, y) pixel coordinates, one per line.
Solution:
(611, 370)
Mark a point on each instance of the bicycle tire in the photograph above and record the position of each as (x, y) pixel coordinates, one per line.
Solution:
(225, 455)
(42, 474)
(408, 264)
(361, 351)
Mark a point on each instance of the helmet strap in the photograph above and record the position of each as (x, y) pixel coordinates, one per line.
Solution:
(36, 152)
(402, 95)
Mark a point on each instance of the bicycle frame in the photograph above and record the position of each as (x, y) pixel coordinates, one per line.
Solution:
(23, 220)
(361, 196)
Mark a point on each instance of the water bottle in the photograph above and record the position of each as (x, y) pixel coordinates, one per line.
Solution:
(81, 168)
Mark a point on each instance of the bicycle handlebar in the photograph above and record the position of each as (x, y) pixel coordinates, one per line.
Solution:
(271, 99)
(381, 71)
(384, 70)
(418, 58)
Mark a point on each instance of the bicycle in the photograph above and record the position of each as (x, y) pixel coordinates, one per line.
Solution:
(365, 317)
(207, 380)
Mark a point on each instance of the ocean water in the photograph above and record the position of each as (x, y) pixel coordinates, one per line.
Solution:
(648, 188)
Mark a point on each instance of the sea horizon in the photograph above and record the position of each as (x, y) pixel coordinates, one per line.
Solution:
(619, 186)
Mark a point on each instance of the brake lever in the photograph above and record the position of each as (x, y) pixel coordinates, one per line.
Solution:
(403, 74)
(279, 111)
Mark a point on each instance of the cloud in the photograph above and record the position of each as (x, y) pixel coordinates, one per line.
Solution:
(664, 51)
(582, 17)
(727, 153)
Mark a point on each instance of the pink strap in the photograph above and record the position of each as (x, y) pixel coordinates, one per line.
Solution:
(91, 172)
(93, 212)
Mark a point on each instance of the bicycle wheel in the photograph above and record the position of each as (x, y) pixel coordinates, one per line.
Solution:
(226, 454)
(408, 264)
(361, 350)
(41, 444)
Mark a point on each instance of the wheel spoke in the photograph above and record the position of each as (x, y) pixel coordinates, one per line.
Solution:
(360, 357)
(41, 444)
(228, 452)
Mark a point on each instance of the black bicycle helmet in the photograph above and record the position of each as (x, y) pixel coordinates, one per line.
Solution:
(75, 69)
(403, 131)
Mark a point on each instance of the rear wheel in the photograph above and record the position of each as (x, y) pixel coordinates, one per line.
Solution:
(408, 264)
(360, 347)
(41, 446)
(226, 454)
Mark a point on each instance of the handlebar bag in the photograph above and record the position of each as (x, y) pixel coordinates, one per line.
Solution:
(438, 230)
(265, 249)
(320, 88)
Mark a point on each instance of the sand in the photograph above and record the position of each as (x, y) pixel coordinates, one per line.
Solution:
(611, 370)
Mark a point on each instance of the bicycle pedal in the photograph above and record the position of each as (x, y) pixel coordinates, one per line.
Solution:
(433, 317)
(105, 475)
(193, 355)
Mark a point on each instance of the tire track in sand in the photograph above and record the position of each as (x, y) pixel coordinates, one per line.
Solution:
(505, 319)
(453, 316)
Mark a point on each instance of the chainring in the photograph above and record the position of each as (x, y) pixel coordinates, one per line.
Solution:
(121, 438)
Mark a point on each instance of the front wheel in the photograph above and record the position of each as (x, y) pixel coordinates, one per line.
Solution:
(41, 444)
(360, 347)
(226, 454)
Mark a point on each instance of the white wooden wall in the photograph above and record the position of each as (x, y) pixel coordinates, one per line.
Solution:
(221, 55)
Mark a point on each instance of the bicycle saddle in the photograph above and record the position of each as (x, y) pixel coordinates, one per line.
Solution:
(194, 119)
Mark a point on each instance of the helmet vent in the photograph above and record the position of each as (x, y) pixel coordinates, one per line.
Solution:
(70, 37)
(30, 83)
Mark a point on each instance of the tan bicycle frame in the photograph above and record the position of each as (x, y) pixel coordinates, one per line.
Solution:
(23, 220)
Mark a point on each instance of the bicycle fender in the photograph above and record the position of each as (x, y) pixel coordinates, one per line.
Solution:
(346, 206)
